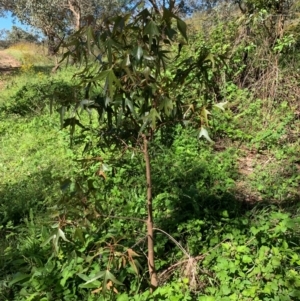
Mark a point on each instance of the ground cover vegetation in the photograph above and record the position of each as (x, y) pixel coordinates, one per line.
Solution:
(160, 161)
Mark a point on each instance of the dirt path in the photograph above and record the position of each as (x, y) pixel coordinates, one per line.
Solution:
(8, 64)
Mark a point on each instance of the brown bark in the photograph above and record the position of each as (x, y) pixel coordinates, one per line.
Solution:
(76, 11)
(151, 260)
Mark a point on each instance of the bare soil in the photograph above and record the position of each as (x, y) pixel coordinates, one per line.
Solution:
(8, 64)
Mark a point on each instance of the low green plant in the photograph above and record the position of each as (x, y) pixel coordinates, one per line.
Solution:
(255, 259)
(277, 179)
(33, 98)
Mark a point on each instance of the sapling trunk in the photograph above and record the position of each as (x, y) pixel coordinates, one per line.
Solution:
(151, 260)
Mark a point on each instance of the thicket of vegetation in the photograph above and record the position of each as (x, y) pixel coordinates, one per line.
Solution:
(159, 162)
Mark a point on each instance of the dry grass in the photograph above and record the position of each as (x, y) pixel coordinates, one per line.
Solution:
(30, 54)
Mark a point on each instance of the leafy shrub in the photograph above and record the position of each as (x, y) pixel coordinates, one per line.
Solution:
(33, 98)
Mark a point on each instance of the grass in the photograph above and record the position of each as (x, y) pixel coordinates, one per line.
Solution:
(34, 150)
(30, 54)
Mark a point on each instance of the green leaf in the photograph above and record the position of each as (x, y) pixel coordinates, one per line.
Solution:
(135, 265)
(207, 298)
(246, 259)
(250, 292)
(254, 230)
(51, 237)
(242, 249)
(93, 278)
(110, 45)
(295, 293)
(149, 58)
(168, 15)
(204, 133)
(181, 25)
(166, 104)
(110, 276)
(276, 262)
(152, 30)
(101, 76)
(113, 83)
(204, 115)
(170, 32)
(86, 102)
(123, 297)
(55, 242)
(225, 290)
(83, 277)
(95, 284)
(221, 105)
(61, 234)
(147, 72)
(119, 24)
(18, 278)
(152, 116)
(55, 238)
(66, 274)
(129, 104)
(78, 234)
(138, 52)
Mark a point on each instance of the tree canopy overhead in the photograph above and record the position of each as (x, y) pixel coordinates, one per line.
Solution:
(58, 18)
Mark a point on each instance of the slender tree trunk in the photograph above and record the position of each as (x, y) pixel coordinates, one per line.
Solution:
(51, 43)
(76, 11)
(151, 261)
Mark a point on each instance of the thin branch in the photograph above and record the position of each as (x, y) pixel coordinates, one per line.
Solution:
(175, 242)
(173, 266)
(199, 257)
(155, 6)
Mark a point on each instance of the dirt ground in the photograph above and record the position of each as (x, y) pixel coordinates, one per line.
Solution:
(8, 64)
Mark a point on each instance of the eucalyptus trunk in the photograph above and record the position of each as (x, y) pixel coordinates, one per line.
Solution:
(151, 260)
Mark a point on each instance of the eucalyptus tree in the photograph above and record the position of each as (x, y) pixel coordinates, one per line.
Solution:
(17, 34)
(138, 62)
(188, 7)
(57, 18)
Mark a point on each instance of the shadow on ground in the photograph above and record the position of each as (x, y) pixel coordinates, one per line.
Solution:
(18, 199)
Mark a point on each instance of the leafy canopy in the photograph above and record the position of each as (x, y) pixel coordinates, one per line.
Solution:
(131, 58)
